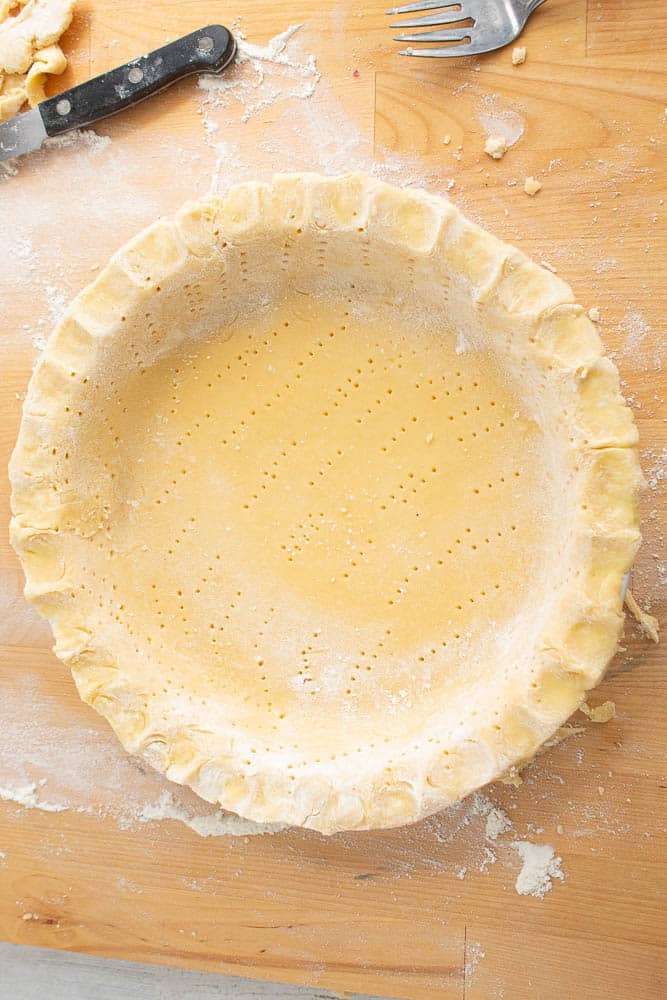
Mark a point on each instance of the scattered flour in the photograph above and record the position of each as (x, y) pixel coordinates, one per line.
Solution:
(641, 343)
(474, 953)
(274, 75)
(500, 122)
(540, 866)
(225, 151)
(89, 772)
(216, 824)
(636, 329)
(497, 822)
(657, 472)
(490, 858)
(85, 139)
(26, 795)
(56, 300)
(605, 264)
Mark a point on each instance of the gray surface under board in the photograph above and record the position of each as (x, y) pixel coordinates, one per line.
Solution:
(33, 973)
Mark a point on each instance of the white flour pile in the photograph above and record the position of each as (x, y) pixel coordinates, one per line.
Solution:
(540, 866)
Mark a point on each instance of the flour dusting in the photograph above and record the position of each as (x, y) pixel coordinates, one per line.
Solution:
(85, 139)
(497, 822)
(501, 122)
(216, 824)
(657, 471)
(26, 795)
(87, 770)
(540, 866)
(262, 75)
(636, 330)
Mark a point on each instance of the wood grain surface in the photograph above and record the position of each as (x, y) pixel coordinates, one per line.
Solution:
(383, 913)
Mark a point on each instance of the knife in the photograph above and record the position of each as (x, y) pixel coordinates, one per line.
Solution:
(207, 50)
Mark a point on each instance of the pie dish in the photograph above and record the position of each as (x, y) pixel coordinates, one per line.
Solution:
(328, 495)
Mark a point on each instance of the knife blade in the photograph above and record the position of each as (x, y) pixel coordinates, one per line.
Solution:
(207, 50)
(21, 134)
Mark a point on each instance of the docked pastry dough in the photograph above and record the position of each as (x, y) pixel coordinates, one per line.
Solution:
(29, 33)
(328, 495)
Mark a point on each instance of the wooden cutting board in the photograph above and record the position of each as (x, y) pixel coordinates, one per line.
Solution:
(430, 910)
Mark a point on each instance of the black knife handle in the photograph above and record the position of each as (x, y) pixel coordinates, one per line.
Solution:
(208, 49)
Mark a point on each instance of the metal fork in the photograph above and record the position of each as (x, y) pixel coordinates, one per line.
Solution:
(495, 23)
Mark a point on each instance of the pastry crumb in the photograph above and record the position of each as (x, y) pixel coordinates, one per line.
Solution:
(648, 624)
(518, 55)
(594, 314)
(511, 777)
(496, 146)
(446, 141)
(599, 713)
(531, 186)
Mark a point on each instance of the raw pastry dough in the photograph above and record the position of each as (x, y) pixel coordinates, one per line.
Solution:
(648, 623)
(28, 49)
(599, 713)
(496, 146)
(328, 495)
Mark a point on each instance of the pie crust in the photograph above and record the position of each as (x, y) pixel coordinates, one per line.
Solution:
(328, 496)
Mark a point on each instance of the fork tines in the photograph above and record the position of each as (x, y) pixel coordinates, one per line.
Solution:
(453, 14)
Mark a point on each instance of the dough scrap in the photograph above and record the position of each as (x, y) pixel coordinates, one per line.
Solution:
(518, 55)
(301, 578)
(29, 33)
(531, 186)
(599, 713)
(648, 623)
(496, 146)
(563, 733)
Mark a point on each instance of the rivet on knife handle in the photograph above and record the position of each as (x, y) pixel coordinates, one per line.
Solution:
(206, 50)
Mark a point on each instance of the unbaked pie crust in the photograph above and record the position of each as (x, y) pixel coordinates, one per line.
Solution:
(328, 495)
